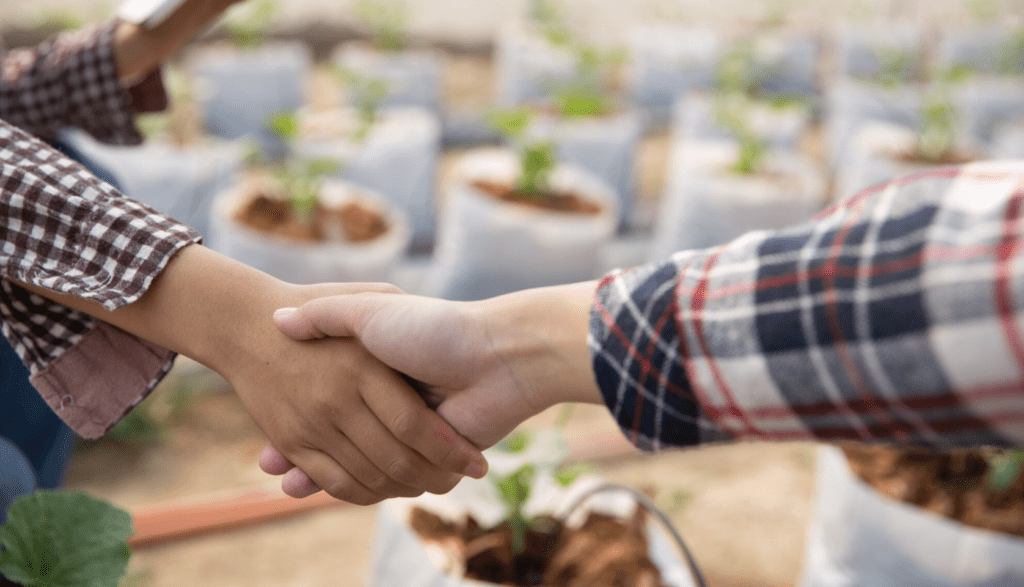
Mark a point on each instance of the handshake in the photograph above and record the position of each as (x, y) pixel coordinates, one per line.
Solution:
(425, 385)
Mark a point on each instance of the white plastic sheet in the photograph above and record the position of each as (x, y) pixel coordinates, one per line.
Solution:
(306, 263)
(486, 247)
(400, 557)
(857, 538)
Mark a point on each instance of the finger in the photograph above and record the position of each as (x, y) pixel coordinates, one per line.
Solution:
(414, 425)
(399, 462)
(324, 472)
(348, 456)
(297, 484)
(272, 462)
(340, 315)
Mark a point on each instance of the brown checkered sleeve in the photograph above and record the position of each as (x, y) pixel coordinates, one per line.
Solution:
(65, 230)
(71, 81)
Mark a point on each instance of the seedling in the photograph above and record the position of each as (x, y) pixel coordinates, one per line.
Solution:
(300, 178)
(936, 138)
(1011, 54)
(1004, 469)
(582, 95)
(536, 157)
(64, 539)
(731, 114)
(895, 66)
(386, 21)
(548, 16)
(368, 95)
(740, 72)
(248, 25)
(518, 463)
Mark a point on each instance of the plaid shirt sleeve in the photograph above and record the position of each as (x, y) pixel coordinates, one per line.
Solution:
(72, 81)
(64, 230)
(898, 314)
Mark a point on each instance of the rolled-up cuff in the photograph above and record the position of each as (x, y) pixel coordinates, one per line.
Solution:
(95, 383)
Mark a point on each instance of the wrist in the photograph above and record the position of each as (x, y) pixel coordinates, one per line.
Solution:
(540, 338)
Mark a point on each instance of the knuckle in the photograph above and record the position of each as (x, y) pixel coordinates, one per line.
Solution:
(348, 492)
(404, 426)
(402, 470)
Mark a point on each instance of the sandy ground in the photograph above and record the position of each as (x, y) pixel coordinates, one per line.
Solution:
(742, 507)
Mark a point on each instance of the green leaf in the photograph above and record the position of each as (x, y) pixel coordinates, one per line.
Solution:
(1004, 469)
(285, 125)
(386, 22)
(511, 123)
(537, 161)
(64, 539)
(515, 442)
(566, 475)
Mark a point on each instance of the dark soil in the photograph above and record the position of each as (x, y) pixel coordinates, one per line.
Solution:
(603, 552)
(352, 223)
(554, 200)
(953, 484)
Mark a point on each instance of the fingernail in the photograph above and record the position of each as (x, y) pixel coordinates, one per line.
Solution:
(477, 469)
(283, 313)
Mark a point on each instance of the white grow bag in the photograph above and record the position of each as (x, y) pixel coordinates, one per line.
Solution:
(666, 61)
(240, 90)
(305, 263)
(486, 247)
(413, 78)
(857, 537)
(178, 182)
(398, 158)
(783, 127)
(527, 66)
(706, 205)
(401, 557)
(875, 157)
(604, 146)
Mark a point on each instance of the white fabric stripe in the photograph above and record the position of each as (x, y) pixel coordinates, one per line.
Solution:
(814, 351)
(862, 322)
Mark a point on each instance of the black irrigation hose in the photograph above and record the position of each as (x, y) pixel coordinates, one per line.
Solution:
(651, 508)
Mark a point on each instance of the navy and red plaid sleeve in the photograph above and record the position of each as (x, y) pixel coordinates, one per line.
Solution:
(72, 81)
(898, 314)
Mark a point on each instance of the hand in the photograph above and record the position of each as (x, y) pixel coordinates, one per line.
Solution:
(486, 366)
(353, 424)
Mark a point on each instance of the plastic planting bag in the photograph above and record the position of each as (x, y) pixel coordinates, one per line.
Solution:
(305, 262)
(401, 557)
(706, 204)
(241, 89)
(486, 247)
(667, 61)
(858, 537)
(178, 182)
(605, 146)
(398, 157)
(413, 78)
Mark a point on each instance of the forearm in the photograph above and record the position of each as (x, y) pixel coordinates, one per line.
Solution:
(541, 334)
(139, 50)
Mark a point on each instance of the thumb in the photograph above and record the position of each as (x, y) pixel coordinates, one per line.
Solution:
(340, 315)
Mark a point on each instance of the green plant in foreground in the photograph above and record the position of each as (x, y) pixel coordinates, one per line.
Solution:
(536, 157)
(1004, 469)
(524, 458)
(300, 178)
(936, 137)
(64, 539)
(386, 21)
(248, 24)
